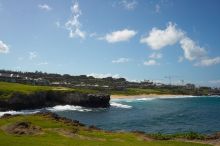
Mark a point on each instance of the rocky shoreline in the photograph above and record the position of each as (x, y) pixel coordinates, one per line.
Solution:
(41, 99)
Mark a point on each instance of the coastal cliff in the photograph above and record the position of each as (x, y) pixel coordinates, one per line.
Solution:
(41, 99)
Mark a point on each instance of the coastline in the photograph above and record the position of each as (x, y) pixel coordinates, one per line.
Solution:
(25, 126)
(115, 96)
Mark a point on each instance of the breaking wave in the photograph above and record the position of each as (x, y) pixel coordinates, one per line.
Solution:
(145, 99)
(132, 99)
(119, 105)
(23, 112)
(68, 107)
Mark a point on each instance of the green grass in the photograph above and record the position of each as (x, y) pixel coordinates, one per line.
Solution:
(15, 87)
(84, 137)
(7, 89)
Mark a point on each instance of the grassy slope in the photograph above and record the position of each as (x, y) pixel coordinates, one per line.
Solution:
(84, 137)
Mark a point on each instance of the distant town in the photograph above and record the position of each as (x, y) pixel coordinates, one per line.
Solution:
(102, 84)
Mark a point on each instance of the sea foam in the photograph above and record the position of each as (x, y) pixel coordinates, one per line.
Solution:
(23, 112)
(68, 107)
(119, 105)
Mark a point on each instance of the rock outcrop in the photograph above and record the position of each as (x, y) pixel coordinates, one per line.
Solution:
(41, 99)
(23, 128)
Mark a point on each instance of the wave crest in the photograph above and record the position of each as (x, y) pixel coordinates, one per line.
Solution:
(68, 107)
(24, 112)
(119, 105)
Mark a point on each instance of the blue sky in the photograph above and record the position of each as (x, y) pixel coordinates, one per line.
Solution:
(135, 39)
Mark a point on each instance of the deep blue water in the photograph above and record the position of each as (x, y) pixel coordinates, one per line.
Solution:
(170, 115)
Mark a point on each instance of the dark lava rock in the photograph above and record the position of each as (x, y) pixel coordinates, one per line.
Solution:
(41, 99)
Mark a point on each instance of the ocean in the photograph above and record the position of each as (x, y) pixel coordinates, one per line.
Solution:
(152, 115)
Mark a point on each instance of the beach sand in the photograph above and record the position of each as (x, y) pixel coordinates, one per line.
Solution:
(147, 96)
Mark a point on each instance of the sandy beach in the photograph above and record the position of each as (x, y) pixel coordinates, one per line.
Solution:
(146, 96)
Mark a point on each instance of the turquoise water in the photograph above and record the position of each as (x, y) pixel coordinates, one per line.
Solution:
(165, 115)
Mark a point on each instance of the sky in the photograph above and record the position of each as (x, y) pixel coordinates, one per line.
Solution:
(135, 39)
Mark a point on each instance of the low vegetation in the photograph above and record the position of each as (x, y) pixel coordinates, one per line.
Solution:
(189, 135)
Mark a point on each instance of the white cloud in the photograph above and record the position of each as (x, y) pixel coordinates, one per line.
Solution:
(32, 55)
(158, 38)
(3, 47)
(44, 7)
(208, 61)
(180, 59)
(94, 34)
(156, 55)
(119, 36)
(157, 8)
(121, 60)
(194, 52)
(191, 50)
(57, 23)
(104, 75)
(42, 63)
(151, 62)
(73, 25)
(129, 4)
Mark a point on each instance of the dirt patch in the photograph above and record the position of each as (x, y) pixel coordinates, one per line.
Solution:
(72, 134)
(117, 140)
(23, 128)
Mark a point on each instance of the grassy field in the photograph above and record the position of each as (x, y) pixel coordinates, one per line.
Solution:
(61, 133)
(7, 89)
